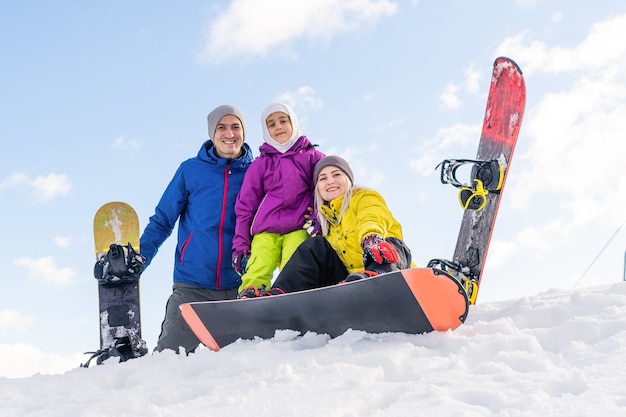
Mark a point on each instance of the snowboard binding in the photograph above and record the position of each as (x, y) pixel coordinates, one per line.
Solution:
(487, 176)
(121, 264)
(126, 347)
(461, 274)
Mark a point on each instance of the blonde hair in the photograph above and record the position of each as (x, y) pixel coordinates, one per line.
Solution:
(319, 202)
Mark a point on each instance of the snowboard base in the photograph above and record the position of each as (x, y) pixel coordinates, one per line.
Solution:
(119, 312)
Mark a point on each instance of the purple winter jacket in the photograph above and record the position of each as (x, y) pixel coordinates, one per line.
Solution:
(276, 191)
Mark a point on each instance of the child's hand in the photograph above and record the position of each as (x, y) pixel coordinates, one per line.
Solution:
(307, 216)
(312, 227)
(240, 260)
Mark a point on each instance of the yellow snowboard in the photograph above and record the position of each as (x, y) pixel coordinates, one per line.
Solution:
(120, 319)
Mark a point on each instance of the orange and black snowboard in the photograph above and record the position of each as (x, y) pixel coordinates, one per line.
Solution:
(410, 301)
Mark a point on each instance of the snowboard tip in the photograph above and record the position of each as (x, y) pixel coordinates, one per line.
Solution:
(434, 290)
(115, 222)
(499, 59)
(198, 328)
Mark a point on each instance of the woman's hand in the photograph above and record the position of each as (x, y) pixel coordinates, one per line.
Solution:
(379, 250)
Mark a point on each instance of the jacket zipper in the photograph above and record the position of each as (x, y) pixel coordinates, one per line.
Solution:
(183, 248)
(218, 281)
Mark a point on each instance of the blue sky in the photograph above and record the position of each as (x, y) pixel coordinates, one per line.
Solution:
(102, 101)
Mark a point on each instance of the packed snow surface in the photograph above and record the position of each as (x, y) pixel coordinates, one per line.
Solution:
(559, 353)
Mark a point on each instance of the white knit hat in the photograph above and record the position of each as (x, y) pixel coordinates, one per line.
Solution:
(295, 126)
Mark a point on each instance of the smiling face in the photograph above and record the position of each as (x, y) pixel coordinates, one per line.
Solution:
(331, 183)
(228, 137)
(279, 126)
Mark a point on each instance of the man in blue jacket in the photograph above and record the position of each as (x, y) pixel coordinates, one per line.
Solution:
(201, 197)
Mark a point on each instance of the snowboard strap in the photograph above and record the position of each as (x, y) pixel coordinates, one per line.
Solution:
(121, 264)
(489, 172)
(461, 274)
(126, 347)
(473, 198)
(487, 176)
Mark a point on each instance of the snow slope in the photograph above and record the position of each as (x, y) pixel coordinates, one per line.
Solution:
(559, 353)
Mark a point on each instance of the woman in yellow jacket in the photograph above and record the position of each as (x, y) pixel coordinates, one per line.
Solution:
(360, 236)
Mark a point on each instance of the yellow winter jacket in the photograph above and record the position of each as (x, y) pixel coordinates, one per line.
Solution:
(367, 214)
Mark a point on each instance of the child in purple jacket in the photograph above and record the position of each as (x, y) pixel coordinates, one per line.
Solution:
(276, 192)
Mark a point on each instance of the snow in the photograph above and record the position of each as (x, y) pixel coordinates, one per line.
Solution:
(559, 353)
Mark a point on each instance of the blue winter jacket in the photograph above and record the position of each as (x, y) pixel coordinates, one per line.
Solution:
(201, 196)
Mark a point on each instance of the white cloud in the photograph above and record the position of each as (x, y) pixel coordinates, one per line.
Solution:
(472, 80)
(392, 124)
(605, 46)
(449, 97)
(14, 180)
(364, 173)
(125, 144)
(541, 238)
(500, 251)
(62, 241)
(448, 143)
(51, 186)
(12, 321)
(45, 270)
(303, 98)
(21, 360)
(252, 27)
(44, 188)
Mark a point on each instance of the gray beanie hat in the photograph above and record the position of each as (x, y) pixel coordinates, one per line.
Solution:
(335, 161)
(216, 115)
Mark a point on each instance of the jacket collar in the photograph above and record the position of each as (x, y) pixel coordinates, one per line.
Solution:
(207, 153)
(332, 210)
